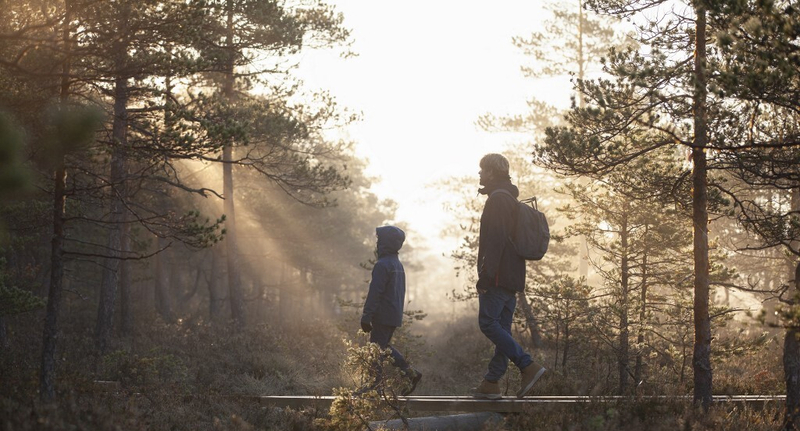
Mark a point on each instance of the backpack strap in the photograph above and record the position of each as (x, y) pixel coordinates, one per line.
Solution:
(514, 214)
(503, 191)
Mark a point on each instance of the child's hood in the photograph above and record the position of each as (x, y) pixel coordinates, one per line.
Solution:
(390, 239)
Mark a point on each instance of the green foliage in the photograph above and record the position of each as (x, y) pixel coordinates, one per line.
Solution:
(643, 414)
(377, 385)
(566, 312)
(70, 131)
(154, 368)
(196, 231)
(14, 300)
(572, 40)
(14, 177)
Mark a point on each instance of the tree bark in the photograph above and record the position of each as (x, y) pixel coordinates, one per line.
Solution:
(701, 361)
(125, 295)
(216, 301)
(3, 333)
(567, 341)
(162, 297)
(791, 364)
(530, 321)
(624, 347)
(639, 367)
(583, 260)
(791, 342)
(234, 277)
(47, 391)
(111, 270)
(47, 375)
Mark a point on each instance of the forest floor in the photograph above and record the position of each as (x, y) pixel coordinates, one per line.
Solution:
(195, 376)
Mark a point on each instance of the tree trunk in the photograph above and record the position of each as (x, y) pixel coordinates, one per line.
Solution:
(638, 370)
(232, 262)
(125, 296)
(111, 270)
(558, 334)
(701, 362)
(791, 343)
(791, 364)
(624, 347)
(567, 342)
(47, 390)
(530, 320)
(234, 277)
(47, 375)
(162, 297)
(216, 301)
(583, 252)
(3, 333)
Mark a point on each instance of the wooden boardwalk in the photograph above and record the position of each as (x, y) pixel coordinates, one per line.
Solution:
(435, 403)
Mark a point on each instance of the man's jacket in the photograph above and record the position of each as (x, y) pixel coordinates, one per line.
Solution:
(387, 290)
(499, 265)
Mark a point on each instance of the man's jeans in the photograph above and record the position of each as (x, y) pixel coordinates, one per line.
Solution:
(494, 317)
(382, 335)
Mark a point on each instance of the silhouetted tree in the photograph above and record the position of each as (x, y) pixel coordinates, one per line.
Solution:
(248, 43)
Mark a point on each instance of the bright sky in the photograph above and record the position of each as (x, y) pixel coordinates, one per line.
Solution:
(425, 71)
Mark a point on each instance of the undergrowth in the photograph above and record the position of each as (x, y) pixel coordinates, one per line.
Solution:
(204, 377)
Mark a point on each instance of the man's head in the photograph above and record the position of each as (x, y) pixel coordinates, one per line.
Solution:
(493, 167)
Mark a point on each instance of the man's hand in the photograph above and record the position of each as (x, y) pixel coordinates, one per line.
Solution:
(483, 284)
(366, 327)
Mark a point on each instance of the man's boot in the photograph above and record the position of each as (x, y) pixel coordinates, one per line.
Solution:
(530, 375)
(488, 391)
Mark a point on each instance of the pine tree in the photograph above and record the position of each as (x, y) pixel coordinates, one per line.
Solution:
(248, 43)
(680, 91)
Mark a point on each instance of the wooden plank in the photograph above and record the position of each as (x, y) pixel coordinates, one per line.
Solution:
(504, 405)
(460, 422)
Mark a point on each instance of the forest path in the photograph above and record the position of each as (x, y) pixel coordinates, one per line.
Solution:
(443, 403)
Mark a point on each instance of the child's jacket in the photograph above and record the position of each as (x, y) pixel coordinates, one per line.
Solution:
(387, 290)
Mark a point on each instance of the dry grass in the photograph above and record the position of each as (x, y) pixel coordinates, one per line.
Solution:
(198, 377)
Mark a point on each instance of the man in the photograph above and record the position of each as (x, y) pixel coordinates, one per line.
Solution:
(383, 309)
(501, 274)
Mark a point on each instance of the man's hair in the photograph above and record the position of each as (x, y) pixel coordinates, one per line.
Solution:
(496, 163)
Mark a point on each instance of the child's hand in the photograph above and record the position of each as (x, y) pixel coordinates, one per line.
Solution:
(366, 327)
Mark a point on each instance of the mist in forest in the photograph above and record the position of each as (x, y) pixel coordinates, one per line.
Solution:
(190, 191)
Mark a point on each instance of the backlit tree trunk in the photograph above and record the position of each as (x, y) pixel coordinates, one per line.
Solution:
(530, 321)
(215, 297)
(112, 266)
(701, 361)
(638, 368)
(234, 277)
(791, 364)
(125, 295)
(622, 354)
(791, 343)
(47, 375)
(162, 294)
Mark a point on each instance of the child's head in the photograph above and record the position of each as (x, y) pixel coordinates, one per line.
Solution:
(390, 239)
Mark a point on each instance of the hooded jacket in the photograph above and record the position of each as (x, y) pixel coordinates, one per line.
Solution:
(499, 265)
(387, 290)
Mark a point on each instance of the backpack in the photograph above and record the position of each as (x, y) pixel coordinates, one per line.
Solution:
(531, 234)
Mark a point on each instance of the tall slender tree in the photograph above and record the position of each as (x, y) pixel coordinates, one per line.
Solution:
(758, 64)
(665, 92)
(249, 42)
(62, 67)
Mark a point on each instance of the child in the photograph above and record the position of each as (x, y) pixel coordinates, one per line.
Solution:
(383, 310)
